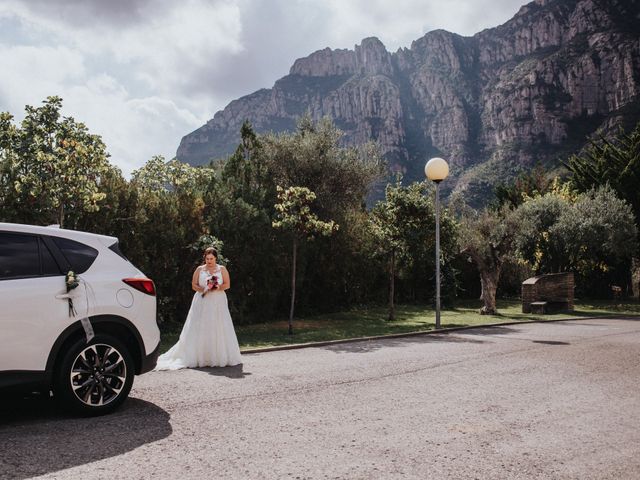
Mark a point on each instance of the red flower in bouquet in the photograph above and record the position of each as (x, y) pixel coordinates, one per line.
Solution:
(212, 284)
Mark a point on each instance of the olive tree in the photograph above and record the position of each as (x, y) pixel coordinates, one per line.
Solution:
(488, 237)
(534, 241)
(598, 237)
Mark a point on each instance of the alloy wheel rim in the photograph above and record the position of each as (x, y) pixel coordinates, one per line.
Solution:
(98, 375)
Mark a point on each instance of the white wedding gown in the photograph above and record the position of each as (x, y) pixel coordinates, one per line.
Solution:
(207, 338)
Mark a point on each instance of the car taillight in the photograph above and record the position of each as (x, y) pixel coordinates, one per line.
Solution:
(145, 285)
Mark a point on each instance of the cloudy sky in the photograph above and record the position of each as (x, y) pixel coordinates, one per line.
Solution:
(144, 73)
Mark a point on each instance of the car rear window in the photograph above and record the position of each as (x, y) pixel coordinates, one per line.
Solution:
(79, 255)
(116, 249)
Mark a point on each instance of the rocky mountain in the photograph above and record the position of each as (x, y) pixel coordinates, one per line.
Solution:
(529, 91)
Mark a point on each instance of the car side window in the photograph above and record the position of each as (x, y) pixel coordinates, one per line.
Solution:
(49, 265)
(19, 256)
(79, 255)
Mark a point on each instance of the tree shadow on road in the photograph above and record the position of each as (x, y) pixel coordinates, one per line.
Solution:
(235, 371)
(376, 344)
(38, 438)
(489, 330)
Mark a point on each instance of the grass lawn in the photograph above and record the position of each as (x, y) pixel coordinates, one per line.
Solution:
(366, 322)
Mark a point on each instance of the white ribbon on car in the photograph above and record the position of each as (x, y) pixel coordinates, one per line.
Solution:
(85, 321)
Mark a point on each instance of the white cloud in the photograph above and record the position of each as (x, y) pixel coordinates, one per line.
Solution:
(134, 129)
(33, 73)
(125, 86)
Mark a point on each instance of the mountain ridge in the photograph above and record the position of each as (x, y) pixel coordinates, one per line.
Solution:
(492, 104)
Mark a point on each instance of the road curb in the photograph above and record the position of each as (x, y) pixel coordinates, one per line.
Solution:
(296, 346)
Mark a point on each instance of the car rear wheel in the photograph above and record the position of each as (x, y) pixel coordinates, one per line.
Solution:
(94, 378)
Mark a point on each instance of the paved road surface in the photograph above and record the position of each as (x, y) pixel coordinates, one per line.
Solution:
(555, 400)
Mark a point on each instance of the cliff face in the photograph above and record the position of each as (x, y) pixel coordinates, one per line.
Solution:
(528, 91)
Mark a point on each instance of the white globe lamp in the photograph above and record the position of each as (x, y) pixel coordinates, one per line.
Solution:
(437, 170)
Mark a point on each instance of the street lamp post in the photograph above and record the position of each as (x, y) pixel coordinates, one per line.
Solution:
(437, 170)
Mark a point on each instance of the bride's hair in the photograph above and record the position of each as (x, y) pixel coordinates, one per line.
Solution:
(209, 251)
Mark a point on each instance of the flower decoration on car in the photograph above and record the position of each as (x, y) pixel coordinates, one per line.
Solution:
(71, 281)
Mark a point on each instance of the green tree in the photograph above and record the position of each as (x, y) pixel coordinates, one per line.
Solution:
(170, 212)
(610, 161)
(243, 199)
(341, 177)
(51, 165)
(598, 237)
(613, 161)
(591, 234)
(404, 227)
(245, 170)
(488, 238)
(386, 227)
(159, 175)
(8, 143)
(329, 273)
(534, 241)
(296, 217)
(313, 157)
(119, 211)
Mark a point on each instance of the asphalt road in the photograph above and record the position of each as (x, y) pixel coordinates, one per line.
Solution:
(554, 400)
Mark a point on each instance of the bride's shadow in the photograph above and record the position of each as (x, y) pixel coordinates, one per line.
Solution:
(236, 371)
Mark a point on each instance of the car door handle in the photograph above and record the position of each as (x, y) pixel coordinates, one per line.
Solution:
(63, 296)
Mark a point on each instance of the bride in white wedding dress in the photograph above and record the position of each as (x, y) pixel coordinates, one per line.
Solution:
(207, 338)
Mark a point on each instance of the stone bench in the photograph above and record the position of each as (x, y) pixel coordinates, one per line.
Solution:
(538, 307)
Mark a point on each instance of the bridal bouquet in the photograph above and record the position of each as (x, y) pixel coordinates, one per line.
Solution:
(71, 281)
(212, 284)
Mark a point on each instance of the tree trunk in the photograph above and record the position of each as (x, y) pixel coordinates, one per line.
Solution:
(61, 215)
(635, 277)
(392, 285)
(489, 282)
(293, 284)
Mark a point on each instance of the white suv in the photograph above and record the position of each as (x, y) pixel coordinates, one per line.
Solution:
(43, 341)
